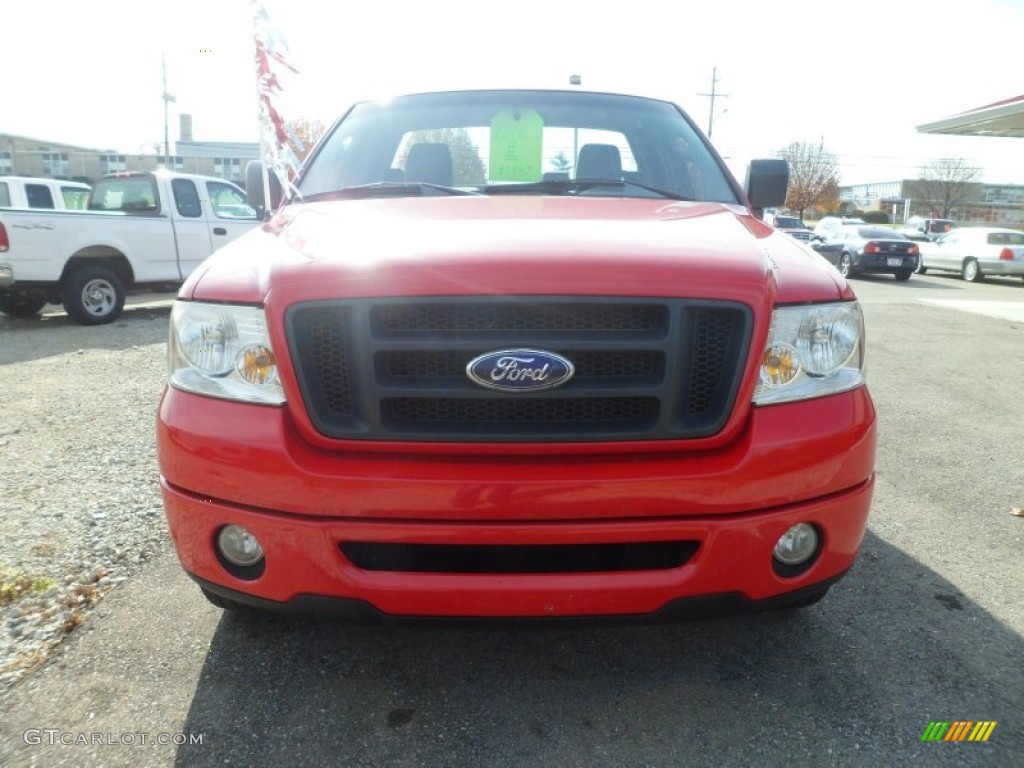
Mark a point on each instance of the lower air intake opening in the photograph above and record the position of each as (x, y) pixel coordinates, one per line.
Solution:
(525, 559)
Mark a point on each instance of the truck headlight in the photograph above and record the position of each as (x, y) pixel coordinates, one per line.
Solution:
(812, 351)
(223, 351)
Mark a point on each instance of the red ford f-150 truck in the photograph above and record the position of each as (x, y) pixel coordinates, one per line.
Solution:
(517, 354)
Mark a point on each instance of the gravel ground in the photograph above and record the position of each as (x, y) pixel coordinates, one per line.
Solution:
(80, 505)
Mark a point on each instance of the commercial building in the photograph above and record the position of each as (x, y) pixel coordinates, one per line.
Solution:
(999, 205)
(26, 156)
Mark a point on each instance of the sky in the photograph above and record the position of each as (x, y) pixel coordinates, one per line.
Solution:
(857, 80)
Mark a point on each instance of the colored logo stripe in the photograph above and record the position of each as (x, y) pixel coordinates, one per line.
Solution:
(982, 731)
(958, 730)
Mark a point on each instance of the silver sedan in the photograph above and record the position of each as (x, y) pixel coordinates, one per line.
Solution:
(974, 252)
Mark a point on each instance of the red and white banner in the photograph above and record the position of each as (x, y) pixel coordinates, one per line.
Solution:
(272, 62)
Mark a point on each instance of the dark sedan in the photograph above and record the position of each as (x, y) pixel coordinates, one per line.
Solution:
(856, 249)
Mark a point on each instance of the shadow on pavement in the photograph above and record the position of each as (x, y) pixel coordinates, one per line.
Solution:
(854, 680)
(24, 339)
(915, 282)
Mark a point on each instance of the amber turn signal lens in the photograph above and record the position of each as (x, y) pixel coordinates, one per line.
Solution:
(256, 364)
(780, 365)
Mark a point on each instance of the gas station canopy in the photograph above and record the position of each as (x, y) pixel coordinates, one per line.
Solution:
(1003, 118)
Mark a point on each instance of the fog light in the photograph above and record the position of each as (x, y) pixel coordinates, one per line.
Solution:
(238, 546)
(797, 545)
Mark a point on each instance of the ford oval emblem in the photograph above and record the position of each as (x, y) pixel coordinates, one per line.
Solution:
(520, 370)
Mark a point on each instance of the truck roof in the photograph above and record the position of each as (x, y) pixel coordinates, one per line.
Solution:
(45, 180)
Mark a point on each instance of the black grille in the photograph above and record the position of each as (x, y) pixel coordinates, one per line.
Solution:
(395, 369)
(488, 317)
(563, 558)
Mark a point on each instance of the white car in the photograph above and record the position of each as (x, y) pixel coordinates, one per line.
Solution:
(975, 252)
(831, 227)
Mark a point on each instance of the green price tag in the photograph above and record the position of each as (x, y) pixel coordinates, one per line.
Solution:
(517, 137)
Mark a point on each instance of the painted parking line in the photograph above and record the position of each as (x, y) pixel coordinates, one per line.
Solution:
(1002, 310)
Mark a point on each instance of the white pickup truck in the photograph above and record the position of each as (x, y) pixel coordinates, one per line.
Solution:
(140, 230)
(49, 194)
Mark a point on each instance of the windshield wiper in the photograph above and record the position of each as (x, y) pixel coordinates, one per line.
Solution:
(576, 186)
(387, 189)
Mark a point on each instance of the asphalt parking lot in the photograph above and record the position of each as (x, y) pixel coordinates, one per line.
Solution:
(928, 626)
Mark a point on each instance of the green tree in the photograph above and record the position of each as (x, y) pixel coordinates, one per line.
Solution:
(946, 183)
(560, 162)
(813, 177)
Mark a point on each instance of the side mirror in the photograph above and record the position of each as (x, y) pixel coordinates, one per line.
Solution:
(767, 182)
(255, 191)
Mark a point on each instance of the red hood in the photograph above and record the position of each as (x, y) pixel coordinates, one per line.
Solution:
(514, 245)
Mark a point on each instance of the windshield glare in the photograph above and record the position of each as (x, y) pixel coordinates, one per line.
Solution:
(479, 140)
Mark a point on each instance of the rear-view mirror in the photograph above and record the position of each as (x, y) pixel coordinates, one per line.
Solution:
(767, 182)
(256, 188)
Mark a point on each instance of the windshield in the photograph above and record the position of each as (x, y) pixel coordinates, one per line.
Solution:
(511, 142)
(788, 222)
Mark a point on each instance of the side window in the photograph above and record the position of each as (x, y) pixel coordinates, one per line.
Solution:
(228, 202)
(186, 198)
(5, 195)
(75, 198)
(38, 196)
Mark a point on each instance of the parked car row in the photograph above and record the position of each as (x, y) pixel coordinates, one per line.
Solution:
(855, 247)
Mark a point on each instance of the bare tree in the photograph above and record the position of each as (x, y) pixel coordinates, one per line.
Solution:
(813, 178)
(945, 184)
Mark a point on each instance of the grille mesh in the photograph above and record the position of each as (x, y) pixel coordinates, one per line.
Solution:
(401, 319)
(324, 335)
(716, 333)
(504, 410)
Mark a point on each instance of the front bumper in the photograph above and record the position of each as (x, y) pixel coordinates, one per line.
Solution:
(231, 463)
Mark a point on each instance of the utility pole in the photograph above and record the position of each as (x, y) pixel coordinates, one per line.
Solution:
(713, 95)
(167, 99)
